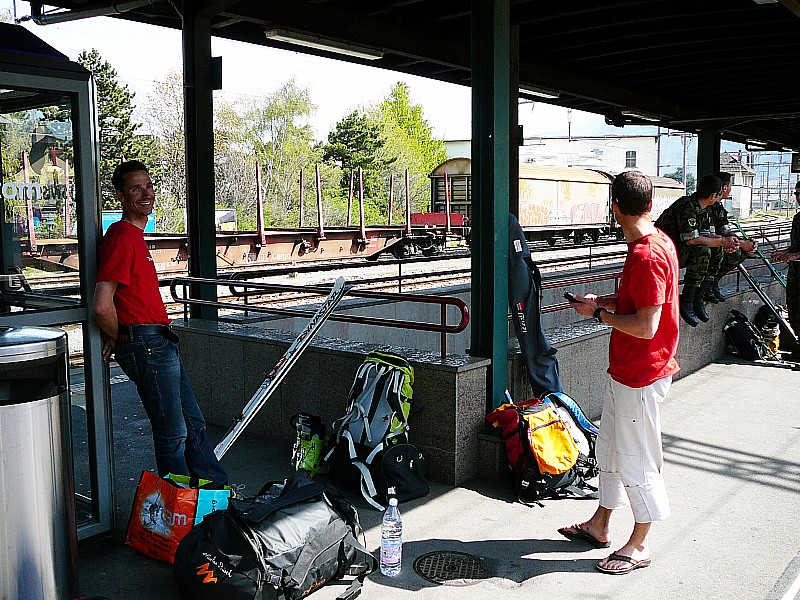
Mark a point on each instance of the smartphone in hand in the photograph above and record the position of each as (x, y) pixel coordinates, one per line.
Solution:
(571, 297)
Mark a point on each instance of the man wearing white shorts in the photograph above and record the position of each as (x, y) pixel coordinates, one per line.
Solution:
(644, 340)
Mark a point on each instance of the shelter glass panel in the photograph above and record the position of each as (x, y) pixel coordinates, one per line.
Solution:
(39, 227)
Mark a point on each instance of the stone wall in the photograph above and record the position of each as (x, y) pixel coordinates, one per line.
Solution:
(228, 362)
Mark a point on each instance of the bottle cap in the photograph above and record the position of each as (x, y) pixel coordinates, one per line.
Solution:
(392, 501)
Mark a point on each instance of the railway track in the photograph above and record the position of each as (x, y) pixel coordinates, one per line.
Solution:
(416, 273)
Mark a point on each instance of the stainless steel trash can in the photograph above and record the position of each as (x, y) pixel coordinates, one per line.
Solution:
(38, 544)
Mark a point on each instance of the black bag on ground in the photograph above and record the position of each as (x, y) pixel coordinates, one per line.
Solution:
(272, 547)
(743, 339)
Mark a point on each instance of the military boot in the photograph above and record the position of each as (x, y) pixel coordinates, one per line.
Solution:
(687, 305)
(709, 296)
(715, 291)
(699, 304)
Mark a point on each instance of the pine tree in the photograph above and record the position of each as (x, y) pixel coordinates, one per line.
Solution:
(356, 141)
(118, 138)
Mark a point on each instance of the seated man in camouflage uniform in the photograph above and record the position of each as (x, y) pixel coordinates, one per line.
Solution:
(724, 261)
(686, 221)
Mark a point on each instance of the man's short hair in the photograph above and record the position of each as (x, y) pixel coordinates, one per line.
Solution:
(633, 193)
(118, 178)
(709, 185)
(724, 177)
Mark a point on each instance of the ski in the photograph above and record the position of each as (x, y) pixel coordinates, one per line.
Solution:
(766, 300)
(279, 371)
(780, 278)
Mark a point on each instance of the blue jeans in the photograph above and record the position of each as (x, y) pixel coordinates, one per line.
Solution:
(152, 362)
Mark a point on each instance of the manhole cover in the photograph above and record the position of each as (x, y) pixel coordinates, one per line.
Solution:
(451, 568)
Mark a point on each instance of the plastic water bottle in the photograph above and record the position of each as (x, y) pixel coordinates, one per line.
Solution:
(391, 540)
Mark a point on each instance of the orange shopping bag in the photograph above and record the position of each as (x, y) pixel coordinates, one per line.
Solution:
(165, 511)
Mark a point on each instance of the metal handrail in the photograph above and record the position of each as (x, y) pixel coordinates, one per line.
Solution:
(316, 290)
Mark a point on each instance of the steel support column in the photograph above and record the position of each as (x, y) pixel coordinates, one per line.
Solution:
(708, 151)
(491, 102)
(198, 84)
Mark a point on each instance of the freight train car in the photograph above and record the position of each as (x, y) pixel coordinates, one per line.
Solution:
(554, 202)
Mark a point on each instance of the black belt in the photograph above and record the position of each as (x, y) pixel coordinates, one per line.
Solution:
(132, 331)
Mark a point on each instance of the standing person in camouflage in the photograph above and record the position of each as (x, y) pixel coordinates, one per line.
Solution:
(792, 256)
(687, 222)
(723, 261)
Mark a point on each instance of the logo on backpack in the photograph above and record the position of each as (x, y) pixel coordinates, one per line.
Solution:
(209, 574)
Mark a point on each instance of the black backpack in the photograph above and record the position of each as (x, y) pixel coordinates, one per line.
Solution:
(369, 450)
(274, 547)
(743, 339)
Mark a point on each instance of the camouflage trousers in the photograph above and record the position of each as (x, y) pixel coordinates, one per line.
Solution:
(706, 264)
(722, 263)
(696, 261)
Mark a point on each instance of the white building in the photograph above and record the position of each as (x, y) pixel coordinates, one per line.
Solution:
(740, 203)
(611, 153)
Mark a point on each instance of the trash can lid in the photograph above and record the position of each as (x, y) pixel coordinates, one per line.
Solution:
(18, 344)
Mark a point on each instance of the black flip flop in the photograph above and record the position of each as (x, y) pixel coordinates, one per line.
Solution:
(580, 534)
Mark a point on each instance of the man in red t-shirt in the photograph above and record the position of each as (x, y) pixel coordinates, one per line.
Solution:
(644, 340)
(130, 312)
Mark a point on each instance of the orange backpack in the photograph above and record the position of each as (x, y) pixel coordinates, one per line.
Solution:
(540, 450)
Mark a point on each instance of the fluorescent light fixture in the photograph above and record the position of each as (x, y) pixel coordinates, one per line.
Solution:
(765, 1)
(757, 143)
(309, 40)
(641, 115)
(533, 90)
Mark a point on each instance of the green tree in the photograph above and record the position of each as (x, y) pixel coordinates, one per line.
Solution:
(118, 137)
(410, 137)
(276, 133)
(164, 119)
(357, 141)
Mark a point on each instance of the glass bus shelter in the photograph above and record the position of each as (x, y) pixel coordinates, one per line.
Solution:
(49, 232)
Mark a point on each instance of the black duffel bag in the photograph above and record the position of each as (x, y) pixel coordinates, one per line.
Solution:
(274, 547)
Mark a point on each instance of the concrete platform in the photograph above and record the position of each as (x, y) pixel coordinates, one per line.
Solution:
(732, 441)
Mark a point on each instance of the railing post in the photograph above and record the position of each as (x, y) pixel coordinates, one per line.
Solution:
(443, 334)
(185, 305)
(391, 197)
(362, 228)
(302, 197)
(350, 201)
(446, 203)
(408, 204)
(260, 207)
(320, 212)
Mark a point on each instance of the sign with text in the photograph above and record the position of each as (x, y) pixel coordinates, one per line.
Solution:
(795, 162)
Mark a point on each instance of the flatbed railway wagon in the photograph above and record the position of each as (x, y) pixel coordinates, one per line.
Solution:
(554, 202)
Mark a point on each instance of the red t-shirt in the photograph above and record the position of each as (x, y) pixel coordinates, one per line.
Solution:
(124, 258)
(649, 278)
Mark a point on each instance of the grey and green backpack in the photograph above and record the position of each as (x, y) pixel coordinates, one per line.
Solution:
(374, 428)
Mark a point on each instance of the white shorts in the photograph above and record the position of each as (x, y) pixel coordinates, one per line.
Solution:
(629, 451)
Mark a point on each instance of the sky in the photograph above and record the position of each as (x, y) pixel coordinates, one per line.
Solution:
(144, 54)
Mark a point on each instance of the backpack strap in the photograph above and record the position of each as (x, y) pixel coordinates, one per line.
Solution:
(360, 571)
(368, 489)
(255, 512)
(332, 534)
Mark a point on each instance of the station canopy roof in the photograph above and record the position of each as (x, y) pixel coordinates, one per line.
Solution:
(719, 65)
